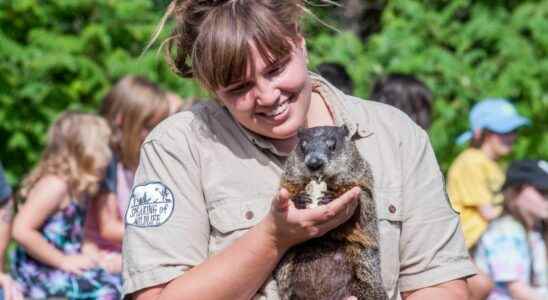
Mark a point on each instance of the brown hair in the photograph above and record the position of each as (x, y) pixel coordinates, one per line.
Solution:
(132, 105)
(77, 149)
(509, 208)
(211, 39)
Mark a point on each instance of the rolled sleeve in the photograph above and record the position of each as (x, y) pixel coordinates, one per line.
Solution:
(154, 255)
(432, 249)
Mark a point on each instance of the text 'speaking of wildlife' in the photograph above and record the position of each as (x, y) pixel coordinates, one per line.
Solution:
(345, 261)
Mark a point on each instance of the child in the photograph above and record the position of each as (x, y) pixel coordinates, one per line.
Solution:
(475, 178)
(8, 288)
(132, 108)
(408, 94)
(513, 251)
(49, 260)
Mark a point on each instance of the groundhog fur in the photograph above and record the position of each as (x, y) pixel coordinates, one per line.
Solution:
(345, 261)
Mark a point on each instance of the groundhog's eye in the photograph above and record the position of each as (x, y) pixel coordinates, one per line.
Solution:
(331, 144)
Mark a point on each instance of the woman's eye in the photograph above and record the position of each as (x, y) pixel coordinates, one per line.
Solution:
(239, 90)
(277, 69)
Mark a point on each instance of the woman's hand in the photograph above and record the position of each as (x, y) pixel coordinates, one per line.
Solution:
(12, 290)
(290, 226)
(77, 263)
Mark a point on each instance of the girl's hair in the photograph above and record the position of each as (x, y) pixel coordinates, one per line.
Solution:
(477, 141)
(77, 150)
(510, 193)
(211, 41)
(509, 206)
(133, 104)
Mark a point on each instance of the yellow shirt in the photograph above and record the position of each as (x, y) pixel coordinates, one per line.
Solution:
(473, 180)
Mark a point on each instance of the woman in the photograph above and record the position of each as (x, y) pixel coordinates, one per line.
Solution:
(206, 219)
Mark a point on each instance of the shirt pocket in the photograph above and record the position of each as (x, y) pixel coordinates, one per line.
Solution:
(232, 215)
(390, 215)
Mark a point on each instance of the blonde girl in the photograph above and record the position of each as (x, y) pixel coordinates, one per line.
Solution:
(206, 219)
(132, 108)
(49, 261)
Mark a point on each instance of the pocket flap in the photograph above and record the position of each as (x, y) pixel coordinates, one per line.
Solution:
(235, 215)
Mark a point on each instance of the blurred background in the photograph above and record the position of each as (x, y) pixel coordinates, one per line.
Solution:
(62, 54)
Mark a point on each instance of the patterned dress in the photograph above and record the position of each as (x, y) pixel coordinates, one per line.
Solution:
(64, 230)
(506, 252)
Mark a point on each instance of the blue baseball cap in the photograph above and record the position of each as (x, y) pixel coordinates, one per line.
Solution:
(493, 114)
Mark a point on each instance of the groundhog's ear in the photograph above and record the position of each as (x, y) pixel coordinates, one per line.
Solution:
(344, 130)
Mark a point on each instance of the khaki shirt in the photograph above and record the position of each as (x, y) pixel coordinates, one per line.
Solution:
(207, 180)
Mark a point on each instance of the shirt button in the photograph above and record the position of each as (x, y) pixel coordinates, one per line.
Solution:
(249, 215)
(392, 209)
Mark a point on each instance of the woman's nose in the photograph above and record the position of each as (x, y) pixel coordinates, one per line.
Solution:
(267, 94)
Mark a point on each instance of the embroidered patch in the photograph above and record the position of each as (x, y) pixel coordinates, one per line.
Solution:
(151, 204)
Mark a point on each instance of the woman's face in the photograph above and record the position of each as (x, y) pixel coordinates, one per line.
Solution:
(275, 102)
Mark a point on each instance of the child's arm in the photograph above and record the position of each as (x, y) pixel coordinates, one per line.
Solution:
(522, 291)
(110, 224)
(488, 211)
(47, 196)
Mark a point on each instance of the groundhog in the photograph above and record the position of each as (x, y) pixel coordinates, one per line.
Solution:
(345, 261)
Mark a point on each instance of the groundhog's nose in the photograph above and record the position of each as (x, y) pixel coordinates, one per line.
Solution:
(314, 163)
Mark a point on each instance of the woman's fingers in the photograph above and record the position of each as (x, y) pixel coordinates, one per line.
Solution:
(344, 205)
(345, 200)
(281, 201)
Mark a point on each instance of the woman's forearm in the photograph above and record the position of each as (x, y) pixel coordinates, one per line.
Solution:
(242, 268)
(35, 244)
(237, 272)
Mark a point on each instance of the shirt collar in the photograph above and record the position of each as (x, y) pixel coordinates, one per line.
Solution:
(345, 111)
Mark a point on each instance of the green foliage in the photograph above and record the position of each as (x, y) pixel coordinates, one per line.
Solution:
(465, 51)
(63, 54)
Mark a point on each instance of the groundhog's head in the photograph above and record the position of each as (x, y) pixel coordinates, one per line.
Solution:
(325, 151)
